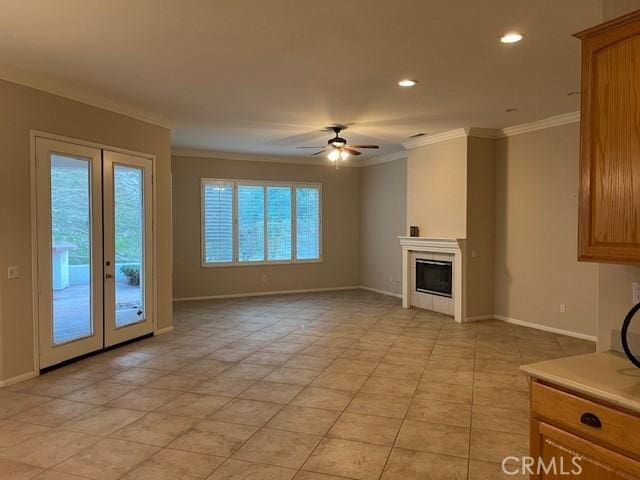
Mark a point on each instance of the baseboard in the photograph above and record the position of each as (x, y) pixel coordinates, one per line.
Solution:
(537, 326)
(164, 330)
(383, 292)
(633, 340)
(17, 379)
(262, 294)
(479, 318)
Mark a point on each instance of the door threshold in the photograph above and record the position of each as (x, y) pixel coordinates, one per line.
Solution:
(92, 354)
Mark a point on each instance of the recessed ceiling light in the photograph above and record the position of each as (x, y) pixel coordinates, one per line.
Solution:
(571, 94)
(407, 83)
(512, 37)
(509, 110)
(416, 135)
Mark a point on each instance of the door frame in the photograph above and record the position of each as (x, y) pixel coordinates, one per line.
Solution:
(35, 302)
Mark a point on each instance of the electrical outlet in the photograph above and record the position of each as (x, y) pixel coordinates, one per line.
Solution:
(474, 254)
(390, 278)
(563, 308)
(13, 272)
(264, 279)
(635, 292)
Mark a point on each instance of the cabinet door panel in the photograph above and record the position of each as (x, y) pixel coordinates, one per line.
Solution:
(557, 450)
(609, 228)
(616, 146)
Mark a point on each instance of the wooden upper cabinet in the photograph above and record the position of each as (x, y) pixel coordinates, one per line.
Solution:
(609, 205)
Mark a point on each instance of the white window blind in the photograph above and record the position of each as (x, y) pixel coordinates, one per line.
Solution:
(308, 223)
(250, 223)
(217, 198)
(279, 223)
(260, 222)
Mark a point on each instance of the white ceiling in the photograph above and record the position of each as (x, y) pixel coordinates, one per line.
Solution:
(262, 76)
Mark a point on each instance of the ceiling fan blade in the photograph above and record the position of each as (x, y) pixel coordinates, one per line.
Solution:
(312, 147)
(351, 150)
(363, 146)
(317, 153)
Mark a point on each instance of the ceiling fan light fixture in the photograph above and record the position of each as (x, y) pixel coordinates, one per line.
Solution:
(344, 155)
(334, 155)
(407, 82)
(338, 142)
(511, 37)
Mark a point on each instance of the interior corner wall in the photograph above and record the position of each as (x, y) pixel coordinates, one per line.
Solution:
(383, 201)
(340, 266)
(24, 109)
(437, 189)
(536, 267)
(480, 259)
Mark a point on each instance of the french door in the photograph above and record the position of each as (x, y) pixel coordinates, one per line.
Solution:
(94, 249)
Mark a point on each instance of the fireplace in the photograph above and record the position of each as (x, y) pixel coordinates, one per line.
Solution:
(434, 277)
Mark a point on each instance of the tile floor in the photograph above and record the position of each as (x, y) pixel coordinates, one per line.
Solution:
(310, 387)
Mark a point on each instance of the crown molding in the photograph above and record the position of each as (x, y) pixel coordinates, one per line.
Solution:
(484, 132)
(555, 121)
(60, 89)
(436, 138)
(550, 122)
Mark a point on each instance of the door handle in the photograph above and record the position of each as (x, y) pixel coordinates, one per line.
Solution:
(108, 275)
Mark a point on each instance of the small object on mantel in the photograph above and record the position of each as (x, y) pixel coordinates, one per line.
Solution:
(605, 376)
(414, 231)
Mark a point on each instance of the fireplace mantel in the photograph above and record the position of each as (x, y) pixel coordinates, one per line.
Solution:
(452, 246)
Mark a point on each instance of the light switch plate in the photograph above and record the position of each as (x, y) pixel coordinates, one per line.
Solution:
(13, 272)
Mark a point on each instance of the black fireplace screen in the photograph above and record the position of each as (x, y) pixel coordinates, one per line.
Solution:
(433, 276)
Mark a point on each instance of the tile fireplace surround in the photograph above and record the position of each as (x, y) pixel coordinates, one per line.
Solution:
(448, 246)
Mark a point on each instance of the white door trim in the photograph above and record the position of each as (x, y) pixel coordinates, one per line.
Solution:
(33, 134)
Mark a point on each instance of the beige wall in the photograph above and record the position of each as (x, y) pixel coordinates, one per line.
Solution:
(23, 109)
(383, 200)
(536, 233)
(340, 241)
(481, 177)
(437, 189)
(616, 8)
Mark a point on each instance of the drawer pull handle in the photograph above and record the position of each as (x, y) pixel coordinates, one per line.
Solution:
(591, 420)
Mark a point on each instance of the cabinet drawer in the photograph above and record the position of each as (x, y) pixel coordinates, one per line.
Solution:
(615, 429)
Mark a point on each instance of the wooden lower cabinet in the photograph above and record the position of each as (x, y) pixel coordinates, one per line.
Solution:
(570, 441)
(564, 455)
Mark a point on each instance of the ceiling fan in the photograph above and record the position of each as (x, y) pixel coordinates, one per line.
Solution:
(337, 147)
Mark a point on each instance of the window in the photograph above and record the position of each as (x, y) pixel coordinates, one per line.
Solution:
(308, 223)
(279, 223)
(217, 200)
(246, 223)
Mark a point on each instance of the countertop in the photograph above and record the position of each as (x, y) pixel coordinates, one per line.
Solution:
(606, 376)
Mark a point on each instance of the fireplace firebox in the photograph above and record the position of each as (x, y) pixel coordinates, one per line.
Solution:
(434, 277)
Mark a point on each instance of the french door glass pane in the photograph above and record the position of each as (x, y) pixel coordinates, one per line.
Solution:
(71, 248)
(279, 223)
(307, 223)
(250, 223)
(128, 185)
(218, 222)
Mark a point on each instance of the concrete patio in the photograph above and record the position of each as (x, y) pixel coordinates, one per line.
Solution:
(72, 310)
